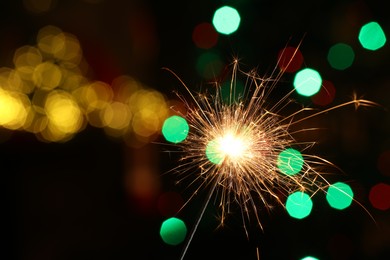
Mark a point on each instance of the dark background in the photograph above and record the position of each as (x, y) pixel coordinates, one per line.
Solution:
(70, 200)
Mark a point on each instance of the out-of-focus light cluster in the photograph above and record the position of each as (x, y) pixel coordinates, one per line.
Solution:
(48, 94)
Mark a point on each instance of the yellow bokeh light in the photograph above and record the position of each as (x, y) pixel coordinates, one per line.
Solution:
(13, 109)
(47, 75)
(63, 112)
(70, 51)
(116, 115)
(47, 93)
(50, 40)
(39, 6)
(97, 95)
(25, 59)
(150, 110)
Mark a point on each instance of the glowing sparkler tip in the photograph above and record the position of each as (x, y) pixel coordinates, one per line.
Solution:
(229, 146)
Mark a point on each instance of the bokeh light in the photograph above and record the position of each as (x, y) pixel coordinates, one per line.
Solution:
(39, 6)
(175, 129)
(204, 36)
(309, 258)
(307, 82)
(50, 95)
(290, 59)
(326, 94)
(14, 109)
(341, 56)
(173, 231)
(339, 195)
(213, 152)
(379, 196)
(299, 205)
(169, 203)
(371, 36)
(226, 20)
(383, 163)
(290, 161)
(209, 65)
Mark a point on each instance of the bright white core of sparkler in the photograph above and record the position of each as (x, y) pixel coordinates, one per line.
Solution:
(231, 146)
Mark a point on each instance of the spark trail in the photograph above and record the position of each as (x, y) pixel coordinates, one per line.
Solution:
(240, 148)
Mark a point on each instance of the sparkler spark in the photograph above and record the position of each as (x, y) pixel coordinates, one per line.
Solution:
(244, 150)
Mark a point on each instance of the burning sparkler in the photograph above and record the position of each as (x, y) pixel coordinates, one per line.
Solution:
(243, 149)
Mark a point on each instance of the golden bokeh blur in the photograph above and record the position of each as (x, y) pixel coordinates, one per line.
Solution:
(47, 93)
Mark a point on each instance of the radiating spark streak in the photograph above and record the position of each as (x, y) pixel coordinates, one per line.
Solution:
(193, 231)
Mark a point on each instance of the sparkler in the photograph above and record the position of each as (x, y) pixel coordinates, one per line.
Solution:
(244, 151)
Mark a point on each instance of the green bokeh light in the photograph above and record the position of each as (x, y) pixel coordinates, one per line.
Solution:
(213, 152)
(339, 195)
(341, 56)
(309, 258)
(226, 20)
(290, 161)
(232, 94)
(175, 129)
(209, 65)
(371, 36)
(299, 205)
(307, 82)
(173, 231)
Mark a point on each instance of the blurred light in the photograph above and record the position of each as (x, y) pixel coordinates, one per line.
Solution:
(50, 40)
(232, 94)
(169, 203)
(39, 6)
(290, 59)
(64, 114)
(149, 111)
(116, 115)
(143, 183)
(339, 195)
(13, 109)
(309, 258)
(326, 94)
(212, 152)
(68, 49)
(173, 231)
(11, 80)
(205, 36)
(290, 161)
(371, 36)
(379, 196)
(341, 56)
(307, 82)
(383, 163)
(209, 65)
(175, 129)
(25, 59)
(299, 205)
(226, 20)
(47, 75)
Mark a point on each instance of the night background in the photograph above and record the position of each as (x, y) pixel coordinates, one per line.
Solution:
(83, 98)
